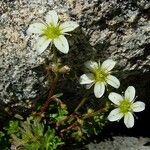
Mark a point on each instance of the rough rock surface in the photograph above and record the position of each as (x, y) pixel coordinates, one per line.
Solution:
(109, 28)
(121, 143)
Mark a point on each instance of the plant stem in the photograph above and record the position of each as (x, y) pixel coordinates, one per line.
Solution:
(82, 102)
(86, 116)
(94, 113)
(49, 98)
(71, 117)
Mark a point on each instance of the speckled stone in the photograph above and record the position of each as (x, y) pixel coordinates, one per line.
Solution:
(108, 29)
(121, 143)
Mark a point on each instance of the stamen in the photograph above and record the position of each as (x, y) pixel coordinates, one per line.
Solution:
(52, 32)
(125, 106)
(100, 75)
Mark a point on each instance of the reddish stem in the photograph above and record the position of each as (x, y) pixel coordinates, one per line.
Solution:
(49, 98)
(68, 128)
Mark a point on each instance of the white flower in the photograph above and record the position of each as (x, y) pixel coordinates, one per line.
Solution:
(125, 106)
(52, 32)
(100, 76)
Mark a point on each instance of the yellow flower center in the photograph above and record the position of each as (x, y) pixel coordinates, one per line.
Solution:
(125, 106)
(52, 32)
(100, 75)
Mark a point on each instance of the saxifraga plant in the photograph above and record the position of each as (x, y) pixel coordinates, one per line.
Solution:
(32, 135)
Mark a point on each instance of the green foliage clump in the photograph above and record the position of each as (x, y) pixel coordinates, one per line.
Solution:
(89, 127)
(32, 135)
(59, 114)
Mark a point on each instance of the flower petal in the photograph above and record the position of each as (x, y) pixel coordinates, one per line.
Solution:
(113, 81)
(115, 98)
(130, 93)
(86, 79)
(42, 44)
(61, 44)
(51, 17)
(115, 115)
(36, 28)
(108, 64)
(99, 89)
(68, 26)
(129, 120)
(91, 65)
(138, 106)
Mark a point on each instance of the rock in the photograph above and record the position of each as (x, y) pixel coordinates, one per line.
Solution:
(121, 143)
(116, 29)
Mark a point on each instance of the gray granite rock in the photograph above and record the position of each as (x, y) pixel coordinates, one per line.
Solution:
(108, 28)
(121, 143)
